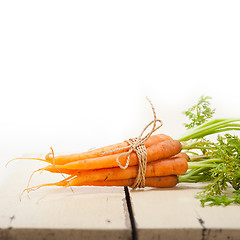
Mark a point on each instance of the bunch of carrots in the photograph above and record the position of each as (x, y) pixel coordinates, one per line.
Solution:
(190, 158)
(165, 162)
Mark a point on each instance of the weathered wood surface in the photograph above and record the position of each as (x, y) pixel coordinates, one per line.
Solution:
(176, 214)
(85, 213)
(98, 212)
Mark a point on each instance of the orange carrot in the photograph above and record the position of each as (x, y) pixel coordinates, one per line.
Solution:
(155, 152)
(158, 182)
(63, 159)
(177, 165)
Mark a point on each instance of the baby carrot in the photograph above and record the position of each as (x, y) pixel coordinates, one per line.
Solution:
(64, 159)
(158, 182)
(155, 152)
(177, 165)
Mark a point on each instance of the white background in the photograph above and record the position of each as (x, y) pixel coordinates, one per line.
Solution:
(74, 74)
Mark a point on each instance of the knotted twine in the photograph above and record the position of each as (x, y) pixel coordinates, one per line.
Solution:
(137, 145)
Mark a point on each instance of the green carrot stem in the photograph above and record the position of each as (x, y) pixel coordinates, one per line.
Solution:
(211, 127)
(197, 157)
(199, 165)
(190, 179)
(194, 172)
(204, 163)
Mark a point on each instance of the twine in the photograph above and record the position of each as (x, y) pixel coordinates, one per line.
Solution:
(137, 145)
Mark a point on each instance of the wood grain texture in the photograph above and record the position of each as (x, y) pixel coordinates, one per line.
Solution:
(87, 212)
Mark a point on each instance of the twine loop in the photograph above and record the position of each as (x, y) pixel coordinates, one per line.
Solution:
(137, 145)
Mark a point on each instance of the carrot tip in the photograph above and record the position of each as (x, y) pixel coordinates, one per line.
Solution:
(40, 159)
(49, 193)
(30, 178)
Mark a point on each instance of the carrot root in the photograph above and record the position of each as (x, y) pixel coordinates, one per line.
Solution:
(64, 159)
(177, 165)
(158, 182)
(30, 178)
(39, 159)
(155, 152)
(62, 183)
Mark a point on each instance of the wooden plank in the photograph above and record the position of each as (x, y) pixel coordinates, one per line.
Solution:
(176, 214)
(87, 212)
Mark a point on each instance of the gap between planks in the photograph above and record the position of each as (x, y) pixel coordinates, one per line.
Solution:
(131, 215)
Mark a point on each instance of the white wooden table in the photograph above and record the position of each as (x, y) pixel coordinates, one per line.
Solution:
(177, 214)
(102, 213)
